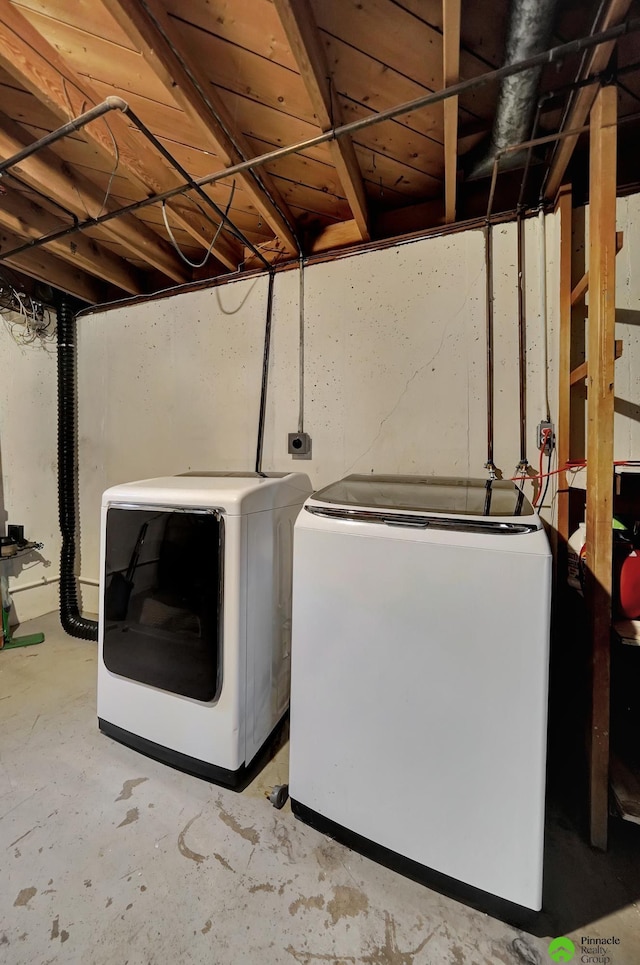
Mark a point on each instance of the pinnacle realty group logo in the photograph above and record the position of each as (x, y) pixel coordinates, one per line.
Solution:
(591, 951)
(562, 949)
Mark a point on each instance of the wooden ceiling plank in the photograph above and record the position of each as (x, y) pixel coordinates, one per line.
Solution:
(39, 264)
(85, 14)
(391, 175)
(451, 75)
(92, 57)
(394, 39)
(28, 57)
(157, 52)
(231, 67)
(26, 217)
(45, 172)
(296, 17)
(597, 61)
(251, 24)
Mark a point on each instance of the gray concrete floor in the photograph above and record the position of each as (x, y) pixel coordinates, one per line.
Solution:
(111, 858)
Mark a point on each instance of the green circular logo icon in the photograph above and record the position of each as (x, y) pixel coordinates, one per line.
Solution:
(562, 949)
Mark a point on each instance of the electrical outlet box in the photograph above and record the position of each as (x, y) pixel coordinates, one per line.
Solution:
(15, 532)
(546, 437)
(299, 445)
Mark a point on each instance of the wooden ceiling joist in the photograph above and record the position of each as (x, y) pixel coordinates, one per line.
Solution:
(25, 217)
(451, 75)
(596, 62)
(51, 270)
(297, 19)
(47, 174)
(147, 26)
(37, 66)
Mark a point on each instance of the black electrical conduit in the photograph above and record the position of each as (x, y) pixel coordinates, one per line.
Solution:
(552, 55)
(522, 348)
(488, 269)
(265, 372)
(70, 618)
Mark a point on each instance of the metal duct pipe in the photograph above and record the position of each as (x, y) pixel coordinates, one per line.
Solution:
(529, 31)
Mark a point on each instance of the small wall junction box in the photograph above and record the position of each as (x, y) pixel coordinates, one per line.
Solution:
(299, 445)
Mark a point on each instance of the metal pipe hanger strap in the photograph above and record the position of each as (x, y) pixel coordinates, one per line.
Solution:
(552, 55)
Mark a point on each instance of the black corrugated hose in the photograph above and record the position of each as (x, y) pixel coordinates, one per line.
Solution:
(70, 617)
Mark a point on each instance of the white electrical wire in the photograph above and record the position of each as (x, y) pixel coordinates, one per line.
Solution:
(25, 321)
(187, 261)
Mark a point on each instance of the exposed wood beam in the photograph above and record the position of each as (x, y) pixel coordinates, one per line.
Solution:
(600, 413)
(451, 75)
(413, 217)
(37, 66)
(48, 174)
(147, 25)
(596, 62)
(25, 217)
(338, 235)
(297, 19)
(51, 270)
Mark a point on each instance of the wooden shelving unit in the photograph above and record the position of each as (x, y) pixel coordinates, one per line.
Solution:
(598, 370)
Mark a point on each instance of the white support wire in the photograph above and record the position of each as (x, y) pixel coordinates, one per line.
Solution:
(116, 154)
(187, 261)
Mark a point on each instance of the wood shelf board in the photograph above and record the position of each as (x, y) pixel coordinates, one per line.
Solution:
(582, 371)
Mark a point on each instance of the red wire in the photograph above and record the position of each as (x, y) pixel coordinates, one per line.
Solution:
(568, 467)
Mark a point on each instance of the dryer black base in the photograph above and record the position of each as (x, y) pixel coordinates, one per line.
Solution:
(506, 911)
(235, 780)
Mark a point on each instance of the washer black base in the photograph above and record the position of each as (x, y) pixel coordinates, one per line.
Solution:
(506, 911)
(235, 780)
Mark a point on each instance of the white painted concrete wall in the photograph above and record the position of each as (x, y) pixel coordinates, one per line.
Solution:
(395, 381)
(394, 371)
(627, 404)
(28, 467)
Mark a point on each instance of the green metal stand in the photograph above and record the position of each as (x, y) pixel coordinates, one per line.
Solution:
(9, 642)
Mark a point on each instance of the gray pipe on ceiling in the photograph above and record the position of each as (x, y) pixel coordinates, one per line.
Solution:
(528, 33)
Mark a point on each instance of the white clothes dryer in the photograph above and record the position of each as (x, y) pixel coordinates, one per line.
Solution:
(195, 617)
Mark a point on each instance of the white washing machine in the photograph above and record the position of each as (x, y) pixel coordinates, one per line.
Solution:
(195, 617)
(421, 612)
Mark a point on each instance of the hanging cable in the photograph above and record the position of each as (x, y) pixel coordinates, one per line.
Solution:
(544, 495)
(200, 264)
(539, 477)
(116, 152)
(301, 351)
